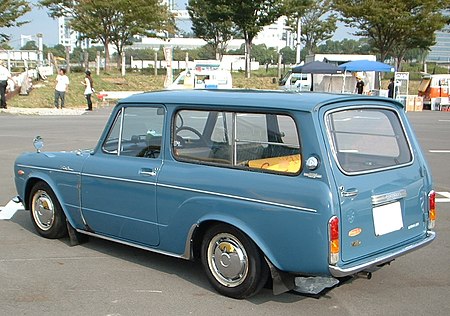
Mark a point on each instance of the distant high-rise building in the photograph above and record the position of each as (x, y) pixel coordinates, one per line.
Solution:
(68, 37)
(440, 52)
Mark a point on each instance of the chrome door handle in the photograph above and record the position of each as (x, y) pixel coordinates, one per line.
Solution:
(148, 172)
(349, 193)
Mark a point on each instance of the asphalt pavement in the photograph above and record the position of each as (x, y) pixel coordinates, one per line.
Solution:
(40, 276)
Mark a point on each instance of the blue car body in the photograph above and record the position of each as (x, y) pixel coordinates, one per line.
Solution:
(379, 203)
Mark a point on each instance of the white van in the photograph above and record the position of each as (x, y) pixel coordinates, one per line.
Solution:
(202, 79)
(295, 81)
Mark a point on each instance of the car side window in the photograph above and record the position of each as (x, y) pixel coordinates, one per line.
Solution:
(136, 132)
(250, 141)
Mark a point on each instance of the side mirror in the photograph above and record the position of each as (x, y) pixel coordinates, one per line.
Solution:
(38, 143)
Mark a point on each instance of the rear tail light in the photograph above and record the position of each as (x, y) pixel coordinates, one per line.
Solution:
(333, 233)
(432, 210)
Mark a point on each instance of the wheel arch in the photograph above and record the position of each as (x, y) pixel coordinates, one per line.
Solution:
(32, 181)
(202, 227)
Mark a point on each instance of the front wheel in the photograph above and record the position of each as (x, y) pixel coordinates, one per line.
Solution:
(234, 265)
(46, 212)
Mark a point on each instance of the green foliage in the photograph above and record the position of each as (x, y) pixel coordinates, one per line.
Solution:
(30, 45)
(288, 55)
(5, 46)
(250, 16)
(346, 46)
(395, 26)
(211, 21)
(113, 21)
(10, 12)
(57, 51)
(318, 25)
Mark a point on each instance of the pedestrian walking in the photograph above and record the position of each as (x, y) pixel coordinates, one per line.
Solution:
(5, 75)
(89, 89)
(62, 86)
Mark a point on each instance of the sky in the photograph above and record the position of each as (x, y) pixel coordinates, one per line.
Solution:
(40, 22)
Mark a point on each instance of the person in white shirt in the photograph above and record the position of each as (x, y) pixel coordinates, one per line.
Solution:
(89, 89)
(4, 76)
(62, 85)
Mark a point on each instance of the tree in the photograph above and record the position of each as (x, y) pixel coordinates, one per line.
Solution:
(212, 22)
(57, 51)
(346, 46)
(288, 55)
(250, 16)
(294, 10)
(318, 25)
(10, 12)
(390, 24)
(113, 21)
(30, 45)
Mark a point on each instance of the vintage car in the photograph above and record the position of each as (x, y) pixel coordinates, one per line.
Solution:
(290, 190)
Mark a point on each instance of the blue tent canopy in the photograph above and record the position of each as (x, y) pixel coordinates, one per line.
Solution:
(366, 65)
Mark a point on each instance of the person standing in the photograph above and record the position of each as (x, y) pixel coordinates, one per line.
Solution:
(62, 85)
(4, 76)
(391, 88)
(89, 89)
(359, 86)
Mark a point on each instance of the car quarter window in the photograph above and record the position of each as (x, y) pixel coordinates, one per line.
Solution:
(251, 141)
(137, 131)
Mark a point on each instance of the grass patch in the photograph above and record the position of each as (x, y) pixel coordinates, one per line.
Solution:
(42, 94)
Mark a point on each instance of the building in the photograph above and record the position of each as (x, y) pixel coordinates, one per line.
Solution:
(68, 37)
(440, 52)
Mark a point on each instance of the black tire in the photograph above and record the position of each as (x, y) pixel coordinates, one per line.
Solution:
(46, 212)
(241, 270)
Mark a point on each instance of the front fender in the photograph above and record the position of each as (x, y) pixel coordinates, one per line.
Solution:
(66, 192)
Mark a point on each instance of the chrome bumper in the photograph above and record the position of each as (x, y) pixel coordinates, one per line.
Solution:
(342, 272)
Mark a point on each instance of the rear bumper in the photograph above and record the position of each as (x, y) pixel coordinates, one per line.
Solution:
(377, 261)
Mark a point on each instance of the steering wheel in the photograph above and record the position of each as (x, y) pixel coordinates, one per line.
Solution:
(151, 151)
(193, 130)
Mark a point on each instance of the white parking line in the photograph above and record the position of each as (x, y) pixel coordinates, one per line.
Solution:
(8, 211)
(439, 151)
(443, 200)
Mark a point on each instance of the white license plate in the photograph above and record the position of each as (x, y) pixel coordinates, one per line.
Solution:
(387, 218)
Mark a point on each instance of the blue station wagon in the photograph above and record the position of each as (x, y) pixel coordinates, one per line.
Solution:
(293, 190)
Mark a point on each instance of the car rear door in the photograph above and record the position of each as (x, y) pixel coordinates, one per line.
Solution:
(382, 186)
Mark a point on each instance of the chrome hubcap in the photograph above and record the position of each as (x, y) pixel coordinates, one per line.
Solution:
(43, 210)
(227, 260)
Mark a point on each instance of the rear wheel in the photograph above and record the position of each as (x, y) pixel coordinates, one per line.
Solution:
(46, 212)
(234, 265)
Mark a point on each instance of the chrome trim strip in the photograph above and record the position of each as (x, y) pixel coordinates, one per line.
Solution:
(389, 197)
(342, 272)
(119, 179)
(131, 244)
(49, 169)
(305, 209)
(238, 198)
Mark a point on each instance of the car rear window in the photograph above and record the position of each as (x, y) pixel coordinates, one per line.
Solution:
(365, 140)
